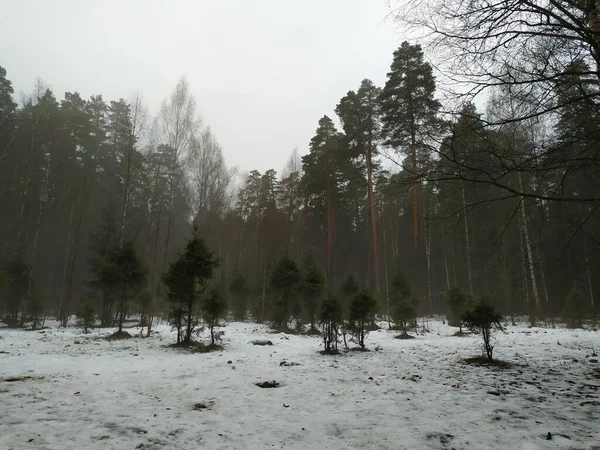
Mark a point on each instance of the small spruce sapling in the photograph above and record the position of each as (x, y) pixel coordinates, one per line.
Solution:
(350, 288)
(239, 296)
(404, 310)
(361, 312)
(575, 308)
(213, 308)
(483, 318)
(330, 316)
(86, 316)
(457, 304)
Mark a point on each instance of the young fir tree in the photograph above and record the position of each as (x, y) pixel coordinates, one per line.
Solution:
(362, 309)
(457, 303)
(129, 276)
(86, 316)
(484, 319)
(330, 317)
(239, 296)
(349, 289)
(576, 307)
(186, 282)
(285, 280)
(213, 308)
(403, 310)
(311, 289)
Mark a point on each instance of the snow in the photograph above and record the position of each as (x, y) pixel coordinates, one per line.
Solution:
(87, 392)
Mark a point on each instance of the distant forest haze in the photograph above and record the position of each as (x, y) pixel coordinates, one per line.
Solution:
(407, 192)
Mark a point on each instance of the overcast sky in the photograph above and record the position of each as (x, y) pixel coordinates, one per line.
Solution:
(263, 71)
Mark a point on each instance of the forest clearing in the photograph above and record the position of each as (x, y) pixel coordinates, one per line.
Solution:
(74, 390)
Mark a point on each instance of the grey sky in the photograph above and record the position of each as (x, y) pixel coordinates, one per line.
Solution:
(263, 71)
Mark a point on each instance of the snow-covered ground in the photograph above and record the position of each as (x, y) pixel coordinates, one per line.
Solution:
(89, 393)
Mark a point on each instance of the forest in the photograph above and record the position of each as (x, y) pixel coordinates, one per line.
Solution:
(155, 295)
(401, 193)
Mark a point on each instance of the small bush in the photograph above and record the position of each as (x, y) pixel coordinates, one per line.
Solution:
(86, 316)
(361, 314)
(330, 317)
(576, 307)
(457, 303)
(483, 318)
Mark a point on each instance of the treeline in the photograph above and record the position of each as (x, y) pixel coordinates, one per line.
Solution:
(400, 188)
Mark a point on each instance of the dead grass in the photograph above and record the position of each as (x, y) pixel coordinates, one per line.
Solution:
(22, 378)
(118, 336)
(329, 352)
(196, 347)
(486, 362)
(268, 384)
(404, 336)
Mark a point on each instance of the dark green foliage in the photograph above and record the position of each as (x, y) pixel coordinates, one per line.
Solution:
(124, 271)
(404, 313)
(403, 309)
(349, 289)
(576, 307)
(16, 276)
(407, 104)
(311, 289)
(457, 303)
(186, 282)
(86, 316)
(330, 318)
(35, 309)
(285, 281)
(213, 308)
(362, 309)
(483, 318)
(239, 296)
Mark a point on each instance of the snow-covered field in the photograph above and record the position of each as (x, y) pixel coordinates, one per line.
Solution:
(89, 393)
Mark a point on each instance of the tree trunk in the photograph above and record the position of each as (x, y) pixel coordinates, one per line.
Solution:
(372, 212)
(467, 240)
(525, 231)
(330, 228)
(413, 145)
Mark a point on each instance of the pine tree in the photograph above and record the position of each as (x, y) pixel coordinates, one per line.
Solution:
(362, 309)
(311, 289)
(128, 274)
(86, 316)
(212, 309)
(483, 318)
(330, 318)
(239, 293)
(409, 112)
(457, 301)
(186, 281)
(576, 307)
(285, 281)
(403, 309)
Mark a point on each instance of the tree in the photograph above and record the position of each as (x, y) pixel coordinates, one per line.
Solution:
(330, 317)
(285, 280)
(483, 318)
(86, 316)
(186, 281)
(311, 288)
(409, 112)
(402, 310)
(212, 309)
(359, 114)
(457, 301)
(349, 289)
(127, 273)
(576, 307)
(362, 309)
(239, 293)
